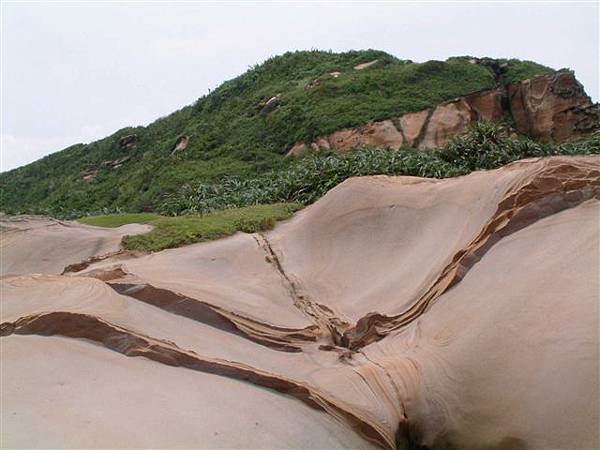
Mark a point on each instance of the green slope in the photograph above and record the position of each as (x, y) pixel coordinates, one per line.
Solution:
(230, 134)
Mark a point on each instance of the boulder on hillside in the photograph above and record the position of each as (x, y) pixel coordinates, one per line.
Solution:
(298, 149)
(128, 142)
(269, 105)
(116, 163)
(365, 65)
(181, 145)
(89, 175)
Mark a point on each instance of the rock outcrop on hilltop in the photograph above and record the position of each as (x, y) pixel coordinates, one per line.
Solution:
(550, 107)
(553, 106)
(395, 312)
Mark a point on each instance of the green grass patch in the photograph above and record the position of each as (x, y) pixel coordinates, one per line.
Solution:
(116, 220)
(169, 232)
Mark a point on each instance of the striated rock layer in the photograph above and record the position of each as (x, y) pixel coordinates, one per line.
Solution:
(396, 312)
(553, 107)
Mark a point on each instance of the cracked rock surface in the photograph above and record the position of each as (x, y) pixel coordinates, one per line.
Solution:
(396, 312)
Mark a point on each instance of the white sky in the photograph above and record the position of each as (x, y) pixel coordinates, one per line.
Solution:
(76, 72)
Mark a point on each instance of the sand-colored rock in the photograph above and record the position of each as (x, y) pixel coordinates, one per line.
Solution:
(297, 149)
(412, 125)
(366, 65)
(383, 134)
(128, 142)
(322, 144)
(397, 312)
(37, 244)
(138, 403)
(551, 107)
(424, 129)
(181, 145)
(269, 105)
(482, 349)
(486, 104)
(89, 174)
(376, 134)
(115, 163)
(447, 120)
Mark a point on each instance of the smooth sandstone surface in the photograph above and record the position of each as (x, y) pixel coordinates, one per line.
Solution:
(396, 312)
(39, 244)
(90, 397)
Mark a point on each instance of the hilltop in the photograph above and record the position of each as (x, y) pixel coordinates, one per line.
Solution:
(297, 102)
(246, 126)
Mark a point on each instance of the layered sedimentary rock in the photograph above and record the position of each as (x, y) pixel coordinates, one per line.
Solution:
(396, 312)
(552, 107)
(549, 107)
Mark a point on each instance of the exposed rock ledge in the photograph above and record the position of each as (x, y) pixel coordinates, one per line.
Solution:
(549, 107)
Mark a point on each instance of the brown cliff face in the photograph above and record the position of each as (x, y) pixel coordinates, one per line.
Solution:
(549, 107)
(486, 104)
(412, 124)
(447, 120)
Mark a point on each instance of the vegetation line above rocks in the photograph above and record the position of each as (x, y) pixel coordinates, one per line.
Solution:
(485, 146)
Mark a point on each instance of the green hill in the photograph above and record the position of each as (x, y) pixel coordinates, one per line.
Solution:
(233, 131)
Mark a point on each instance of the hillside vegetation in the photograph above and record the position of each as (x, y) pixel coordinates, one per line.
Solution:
(485, 146)
(232, 134)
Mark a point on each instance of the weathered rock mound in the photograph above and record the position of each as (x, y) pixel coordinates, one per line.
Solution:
(550, 107)
(32, 244)
(396, 312)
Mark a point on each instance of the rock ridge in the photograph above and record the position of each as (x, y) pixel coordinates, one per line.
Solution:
(549, 107)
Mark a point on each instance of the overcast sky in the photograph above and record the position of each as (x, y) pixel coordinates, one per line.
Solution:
(76, 72)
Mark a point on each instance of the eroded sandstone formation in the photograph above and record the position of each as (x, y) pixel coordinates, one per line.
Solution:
(551, 107)
(32, 244)
(396, 312)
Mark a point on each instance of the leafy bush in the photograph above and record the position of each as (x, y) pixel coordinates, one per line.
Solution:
(490, 145)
